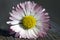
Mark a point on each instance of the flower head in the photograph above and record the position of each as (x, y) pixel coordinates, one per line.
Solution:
(29, 20)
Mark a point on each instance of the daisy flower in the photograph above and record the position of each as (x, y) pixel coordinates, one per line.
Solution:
(29, 20)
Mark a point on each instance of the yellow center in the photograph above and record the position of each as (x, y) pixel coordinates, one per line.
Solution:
(29, 22)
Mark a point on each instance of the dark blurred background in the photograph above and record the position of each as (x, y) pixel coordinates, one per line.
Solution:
(51, 6)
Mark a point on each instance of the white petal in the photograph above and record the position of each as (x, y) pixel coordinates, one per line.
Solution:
(18, 6)
(13, 22)
(46, 13)
(37, 9)
(40, 30)
(39, 16)
(27, 8)
(19, 17)
(30, 8)
(27, 13)
(12, 18)
(32, 33)
(18, 11)
(36, 30)
(42, 11)
(16, 28)
(22, 34)
(27, 34)
(13, 7)
(23, 7)
(32, 13)
(39, 26)
(39, 23)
